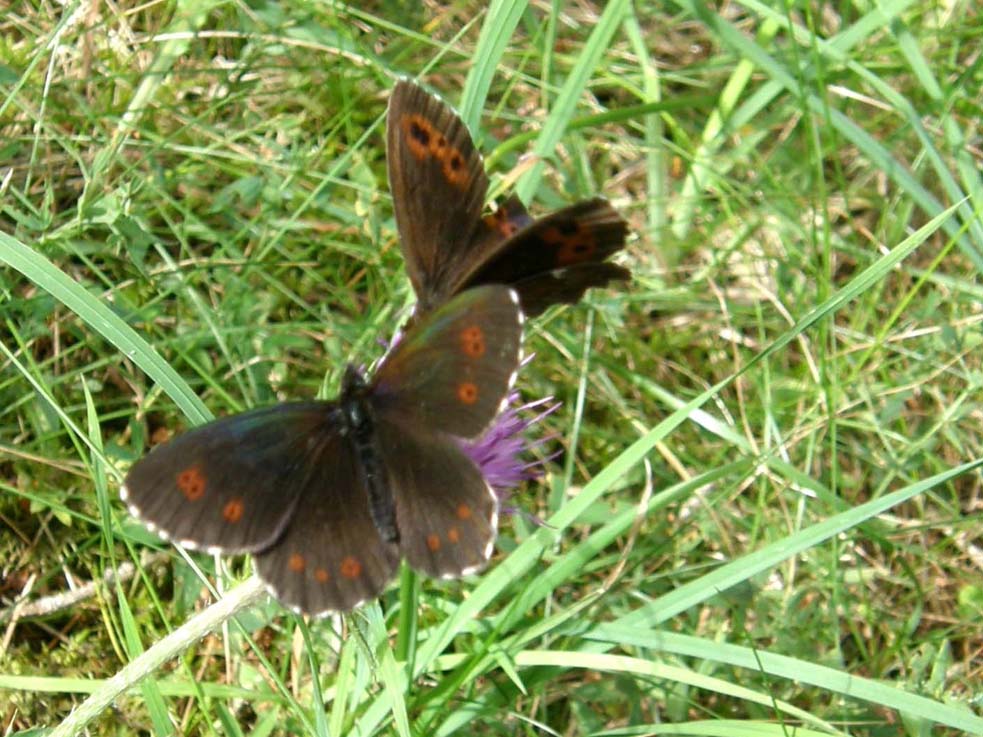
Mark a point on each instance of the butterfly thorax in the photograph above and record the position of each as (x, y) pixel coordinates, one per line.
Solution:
(360, 427)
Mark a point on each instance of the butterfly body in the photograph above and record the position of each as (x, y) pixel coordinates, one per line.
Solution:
(329, 495)
(359, 428)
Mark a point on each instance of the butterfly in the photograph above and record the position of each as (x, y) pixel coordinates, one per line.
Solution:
(328, 496)
(439, 185)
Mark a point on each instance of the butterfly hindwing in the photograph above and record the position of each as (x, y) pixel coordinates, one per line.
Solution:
(452, 371)
(230, 485)
(438, 185)
(556, 258)
(446, 513)
(331, 556)
(566, 286)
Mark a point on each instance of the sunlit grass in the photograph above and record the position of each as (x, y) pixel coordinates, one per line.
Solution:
(760, 517)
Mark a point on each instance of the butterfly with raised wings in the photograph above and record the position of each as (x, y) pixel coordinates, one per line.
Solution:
(439, 186)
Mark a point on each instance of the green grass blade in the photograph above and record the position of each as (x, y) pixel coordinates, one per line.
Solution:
(500, 22)
(103, 320)
(566, 100)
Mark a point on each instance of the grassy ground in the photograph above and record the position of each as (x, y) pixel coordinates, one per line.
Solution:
(761, 516)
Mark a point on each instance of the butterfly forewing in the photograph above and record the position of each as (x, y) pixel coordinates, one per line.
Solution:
(232, 484)
(330, 557)
(438, 186)
(453, 370)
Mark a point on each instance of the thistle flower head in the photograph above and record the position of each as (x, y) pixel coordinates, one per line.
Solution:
(501, 452)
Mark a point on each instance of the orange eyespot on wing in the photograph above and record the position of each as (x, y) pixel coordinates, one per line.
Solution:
(467, 392)
(419, 134)
(575, 252)
(506, 220)
(191, 482)
(297, 563)
(571, 243)
(473, 341)
(350, 567)
(233, 510)
(424, 142)
(455, 170)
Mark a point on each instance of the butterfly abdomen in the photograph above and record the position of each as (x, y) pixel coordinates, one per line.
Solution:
(360, 427)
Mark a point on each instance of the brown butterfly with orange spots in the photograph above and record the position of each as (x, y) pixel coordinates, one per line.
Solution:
(439, 185)
(328, 496)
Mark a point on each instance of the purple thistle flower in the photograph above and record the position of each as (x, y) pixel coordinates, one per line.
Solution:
(499, 452)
